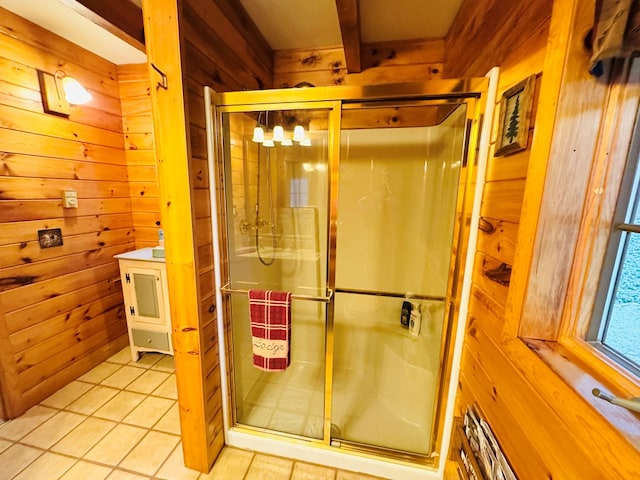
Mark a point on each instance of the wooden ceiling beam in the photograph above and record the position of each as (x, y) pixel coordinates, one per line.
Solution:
(349, 17)
(122, 18)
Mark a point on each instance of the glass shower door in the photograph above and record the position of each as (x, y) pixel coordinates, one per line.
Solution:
(277, 224)
(396, 217)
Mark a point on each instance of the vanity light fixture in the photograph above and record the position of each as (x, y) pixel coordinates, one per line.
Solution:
(278, 135)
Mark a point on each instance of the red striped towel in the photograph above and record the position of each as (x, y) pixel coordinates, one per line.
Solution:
(270, 314)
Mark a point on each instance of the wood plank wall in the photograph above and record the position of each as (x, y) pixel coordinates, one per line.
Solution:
(541, 439)
(210, 44)
(140, 155)
(389, 62)
(61, 309)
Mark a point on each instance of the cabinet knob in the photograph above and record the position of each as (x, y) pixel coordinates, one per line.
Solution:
(148, 340)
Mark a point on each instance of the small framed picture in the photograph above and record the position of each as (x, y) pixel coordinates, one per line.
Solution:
(515, 117)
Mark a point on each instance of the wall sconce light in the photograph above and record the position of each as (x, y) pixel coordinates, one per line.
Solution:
(59, 90)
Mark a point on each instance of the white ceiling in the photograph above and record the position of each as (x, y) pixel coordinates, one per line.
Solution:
(285, 24)
(62, 20)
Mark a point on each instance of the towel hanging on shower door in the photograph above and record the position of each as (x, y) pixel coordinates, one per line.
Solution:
(270, 314)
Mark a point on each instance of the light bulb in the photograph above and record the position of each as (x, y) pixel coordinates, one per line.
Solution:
(75, 93)
(305, 142)
(258, 134)
(278, 133)
(268, 143)
(286, 142)
(298, 133)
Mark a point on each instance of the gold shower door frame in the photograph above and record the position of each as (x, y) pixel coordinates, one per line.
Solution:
(334, 99)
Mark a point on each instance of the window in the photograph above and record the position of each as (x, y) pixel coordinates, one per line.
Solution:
(615, 328)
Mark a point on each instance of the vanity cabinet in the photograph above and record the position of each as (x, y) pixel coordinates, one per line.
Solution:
(144, 287)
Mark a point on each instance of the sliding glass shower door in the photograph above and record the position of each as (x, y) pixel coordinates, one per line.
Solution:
(277, 196)
(396, 215)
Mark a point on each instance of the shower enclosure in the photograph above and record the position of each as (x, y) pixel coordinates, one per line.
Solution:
(356, 201)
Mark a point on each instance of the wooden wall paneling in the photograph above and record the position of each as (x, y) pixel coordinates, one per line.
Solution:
(54, 126)
(51, 289)
(503, 200)
(19, 210)
(31, 315)
(498, 27)
(21, 188)
(28, 273)
(20, 88)
(27, 337)
(96, 351)
(56, 321)
(140, 158)
(18, 165)
(231, 53)
(497, 238)
(237, 16)
(11, 393)
(388, 62)
(373, 76)
(28, 143)
(17, 254)
(17, 232)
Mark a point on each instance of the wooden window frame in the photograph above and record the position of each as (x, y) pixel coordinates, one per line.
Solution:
(560, 340)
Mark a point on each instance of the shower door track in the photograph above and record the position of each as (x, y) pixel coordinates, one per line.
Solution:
(377, 293)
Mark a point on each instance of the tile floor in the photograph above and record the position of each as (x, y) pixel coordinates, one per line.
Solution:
(120, 422)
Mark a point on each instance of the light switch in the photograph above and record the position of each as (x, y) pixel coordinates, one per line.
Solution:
(69, 199)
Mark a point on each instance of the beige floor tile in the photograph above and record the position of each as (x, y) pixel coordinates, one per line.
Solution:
(99, 373)
(168, 389)
(148, 381)
(170, 422)
(148, 359)
(16, 459)
(232, 464)
(121, 475)
(92, 400)
(152, 451)
(166, 364)
(81, 439)
(115, 445)
(122, 357)
(150, 410)
(174, 469)
(46, 467)
(51, 431)
(33, 418)
(265, 467)
(119, 406)
(4, 444)
(306, 471)
(86, 471)
(66, 395)
(123, 377)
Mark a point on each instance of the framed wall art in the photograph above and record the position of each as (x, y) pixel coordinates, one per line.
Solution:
(515, 117)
